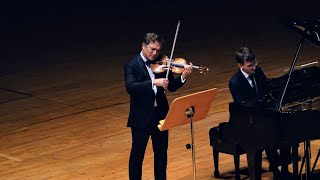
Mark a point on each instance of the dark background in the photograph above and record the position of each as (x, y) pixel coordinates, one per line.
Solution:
(39, 33)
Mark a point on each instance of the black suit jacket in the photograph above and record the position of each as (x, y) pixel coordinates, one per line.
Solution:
(241, 90)
(139, 87)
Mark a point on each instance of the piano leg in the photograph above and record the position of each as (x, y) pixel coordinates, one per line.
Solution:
(295, 160)
(216, 163)
(307, 152)
(306, 161)
(315, 162)
(236, 158)
(254, 159)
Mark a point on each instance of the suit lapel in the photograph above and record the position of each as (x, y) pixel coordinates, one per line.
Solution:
(143, 66)
(244, 80)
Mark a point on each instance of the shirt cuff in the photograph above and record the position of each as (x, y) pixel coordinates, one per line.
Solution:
(183, 80)
(152, 85)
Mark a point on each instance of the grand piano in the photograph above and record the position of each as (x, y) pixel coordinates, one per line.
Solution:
(288, 115)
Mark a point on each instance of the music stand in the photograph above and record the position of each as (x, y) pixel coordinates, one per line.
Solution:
(183, 111)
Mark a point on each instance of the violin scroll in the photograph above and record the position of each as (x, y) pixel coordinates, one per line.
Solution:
(203, 69)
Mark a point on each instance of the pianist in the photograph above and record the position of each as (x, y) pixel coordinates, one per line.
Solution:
(249, 84)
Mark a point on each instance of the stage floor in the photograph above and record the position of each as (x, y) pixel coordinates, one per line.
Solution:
(63, 103)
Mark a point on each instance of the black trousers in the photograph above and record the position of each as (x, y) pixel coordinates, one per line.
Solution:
(140, 137)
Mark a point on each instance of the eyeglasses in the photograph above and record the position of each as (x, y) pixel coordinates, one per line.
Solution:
(253, 64)
(153, 49)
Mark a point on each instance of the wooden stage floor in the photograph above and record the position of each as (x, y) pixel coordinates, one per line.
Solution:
(63, 104)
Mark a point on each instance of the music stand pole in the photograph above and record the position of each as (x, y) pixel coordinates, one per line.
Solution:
(190, 113)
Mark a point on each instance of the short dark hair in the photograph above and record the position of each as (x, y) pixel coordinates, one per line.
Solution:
(151, 38)
(244, 54)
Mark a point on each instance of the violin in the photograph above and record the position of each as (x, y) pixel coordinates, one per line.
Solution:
(177, 66)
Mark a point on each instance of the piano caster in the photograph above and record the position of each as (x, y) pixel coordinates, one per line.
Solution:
(237, 177)
(216, 174)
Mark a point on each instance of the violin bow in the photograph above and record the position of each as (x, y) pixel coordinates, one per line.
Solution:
(174, 43)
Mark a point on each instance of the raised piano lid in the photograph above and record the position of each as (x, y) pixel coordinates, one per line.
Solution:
(304, 85)
(308, 29)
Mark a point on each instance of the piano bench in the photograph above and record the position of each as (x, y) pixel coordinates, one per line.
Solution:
(227, 146)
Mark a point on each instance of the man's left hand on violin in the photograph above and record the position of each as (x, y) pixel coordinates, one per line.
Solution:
(187, 70)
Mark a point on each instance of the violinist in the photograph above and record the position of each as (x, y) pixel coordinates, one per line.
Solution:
(149, 105)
